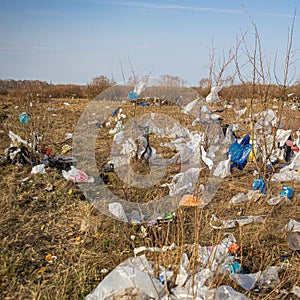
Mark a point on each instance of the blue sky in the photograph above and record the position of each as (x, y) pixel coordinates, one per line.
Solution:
(72, 41)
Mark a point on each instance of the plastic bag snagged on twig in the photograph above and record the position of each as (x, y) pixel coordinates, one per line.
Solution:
(239, 152)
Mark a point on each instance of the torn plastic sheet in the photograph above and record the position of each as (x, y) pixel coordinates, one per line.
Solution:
(230, 136)
(154, 249)
(188, 151)
(208, 161)
(238, 198)
(286, 175)
(195, 286)
(223, 292)
(181, 278)
(266, 122)
(117, 210)
(140, 86)
(266, 279)
(213, 256)
(232, 223)
(183, 182)
(132, 278)
(269, 278)
(16, 139)
(246, 281)
(282, 136)
(252, 195)
(295, 163)
(188, 108)
(223, 169)
(276, 200)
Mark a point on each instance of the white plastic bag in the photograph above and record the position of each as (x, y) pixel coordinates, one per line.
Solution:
(132, 278)
(213, 95)
(76, 175)
(223, 169)
(38, 169)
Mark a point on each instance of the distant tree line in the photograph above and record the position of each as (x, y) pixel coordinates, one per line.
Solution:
(42, 90)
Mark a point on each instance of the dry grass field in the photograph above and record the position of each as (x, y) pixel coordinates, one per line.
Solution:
(56, 245)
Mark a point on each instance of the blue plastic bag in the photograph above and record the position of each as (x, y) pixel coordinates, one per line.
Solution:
(133, 96)
(287, 191)
(259, 184)
(24, 118)
(239, 152)
(144, 104)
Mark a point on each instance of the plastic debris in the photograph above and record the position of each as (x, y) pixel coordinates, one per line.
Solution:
(39, 169)
(183, 271)
(276, 200)
(269, 278)
(191, 200)
(287, 192)
(214, 256)
(184, 182)
(76, 175)
(68, 136)
(223, 169)
(252, 195)
(266, 279)
(189, 107)
(225, 292)
(293, 227)
(234, 247)
(259, 184)
(232, 223)
(238, 198)
(213, 95)
(296, 290)
(24, 118)
(117, 210)
(133, 96)
(234, 268)
(286, 175)
(132, 279)
(285, 262)
(154, 249)
(246, 281)
(18, 155)
(239, 152)
(66, 148)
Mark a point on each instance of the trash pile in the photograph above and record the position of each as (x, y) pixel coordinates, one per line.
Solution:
(135, 278)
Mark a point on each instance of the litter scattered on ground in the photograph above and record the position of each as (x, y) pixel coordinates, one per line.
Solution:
(135, 277)
(215, 150)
